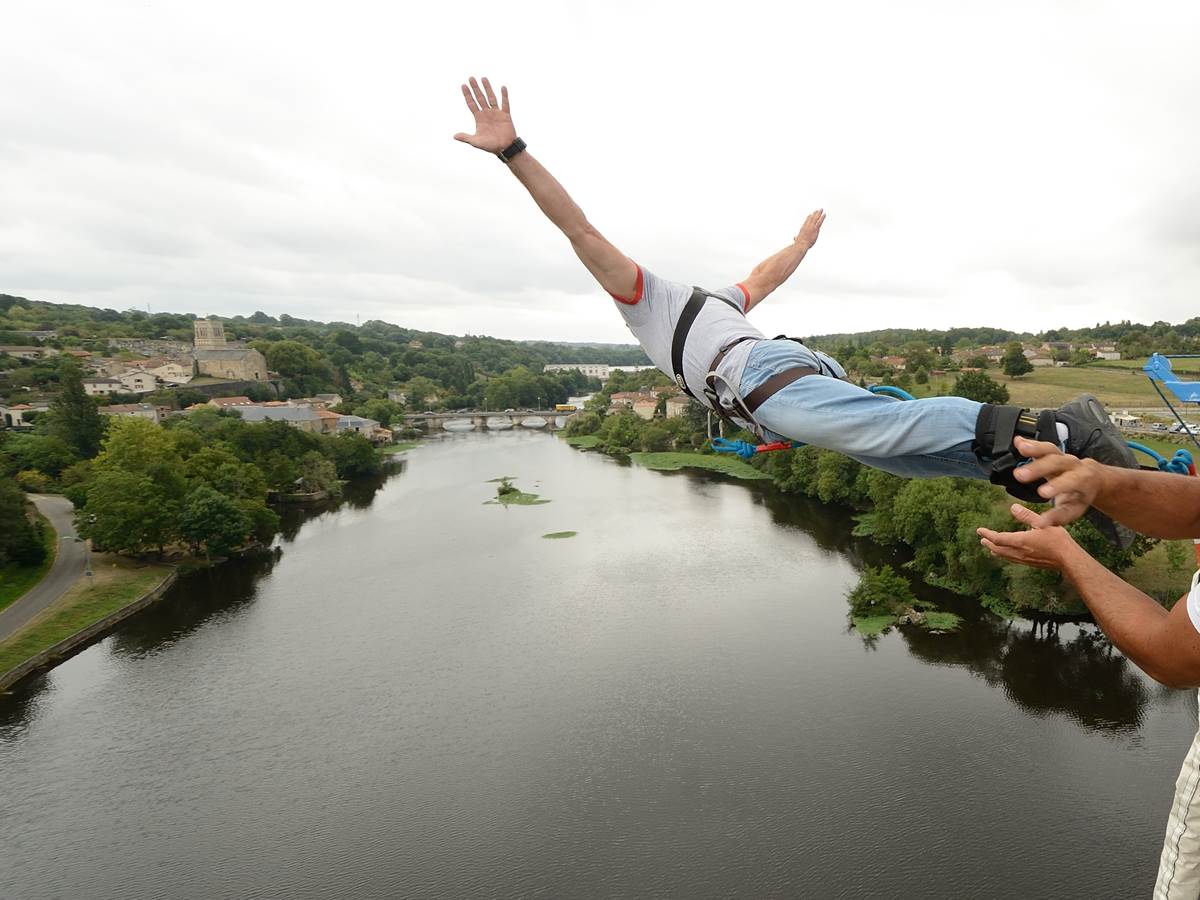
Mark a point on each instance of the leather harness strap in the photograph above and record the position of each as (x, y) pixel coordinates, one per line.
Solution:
(776, 382)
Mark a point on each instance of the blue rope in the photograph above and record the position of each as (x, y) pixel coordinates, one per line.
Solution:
(744, 449)
(891, 391)
(1180, 463)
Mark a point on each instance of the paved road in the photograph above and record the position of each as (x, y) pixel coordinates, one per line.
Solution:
(68, 566)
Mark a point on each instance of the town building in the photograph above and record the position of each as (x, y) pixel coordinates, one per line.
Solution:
(677, 405)
(230, 402)
(28, 352)
(644, 407)
(301, 417)
(136, 381)
(101, 387)
(13, 416)
(215, 357)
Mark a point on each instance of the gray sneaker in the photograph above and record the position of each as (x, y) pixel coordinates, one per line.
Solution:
(1092, 436)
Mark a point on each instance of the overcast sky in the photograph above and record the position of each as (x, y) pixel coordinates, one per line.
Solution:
(1019, 165)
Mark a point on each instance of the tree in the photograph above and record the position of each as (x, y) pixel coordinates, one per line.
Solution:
(213, 520)
(979, 387)
(73, 417)
(316, 473)
(1014, 362)
(127, 512)
(880, 592)
(20, 539)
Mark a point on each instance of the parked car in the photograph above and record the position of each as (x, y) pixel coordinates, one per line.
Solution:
(1189, 428)
(1158, 426)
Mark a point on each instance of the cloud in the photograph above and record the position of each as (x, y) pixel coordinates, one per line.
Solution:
(1025, 168)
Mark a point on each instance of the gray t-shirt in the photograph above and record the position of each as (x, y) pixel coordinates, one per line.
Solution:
(654, 309)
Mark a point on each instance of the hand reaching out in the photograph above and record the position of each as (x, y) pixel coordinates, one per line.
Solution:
(811, 228)
(494, 129)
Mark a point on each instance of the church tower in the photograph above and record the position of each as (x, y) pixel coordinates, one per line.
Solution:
(210, 335)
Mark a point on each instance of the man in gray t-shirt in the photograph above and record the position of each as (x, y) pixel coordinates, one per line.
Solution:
(779, 388)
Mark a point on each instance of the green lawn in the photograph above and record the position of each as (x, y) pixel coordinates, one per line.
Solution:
(16, 580)
(673, 461)
(1154, 574)
(117, 583)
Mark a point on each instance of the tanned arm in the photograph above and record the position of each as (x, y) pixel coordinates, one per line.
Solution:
(775, 270)
(1164, 644)
(494, 131)
(1159, 504)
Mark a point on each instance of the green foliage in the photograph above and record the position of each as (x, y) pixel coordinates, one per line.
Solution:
(33, 481)
(46, 453)
(21, 539)
(583, 423)
(315, 473)
(979, 387)
(73, 418)
(880, 591)
(213, 521)
(620, 433)
(1014, 362)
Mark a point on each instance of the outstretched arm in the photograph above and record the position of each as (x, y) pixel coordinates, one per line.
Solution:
(494, 131)
(1164, 644)
(775, 270)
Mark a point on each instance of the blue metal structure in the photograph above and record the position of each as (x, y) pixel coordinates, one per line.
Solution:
(1158, 369)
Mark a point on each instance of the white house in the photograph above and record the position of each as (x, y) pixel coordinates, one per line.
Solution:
(135, 381)
(101, 387)
(172, 373)
(677, 405)
(14, 416)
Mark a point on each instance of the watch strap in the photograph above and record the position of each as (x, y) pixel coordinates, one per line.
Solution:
(506, 155)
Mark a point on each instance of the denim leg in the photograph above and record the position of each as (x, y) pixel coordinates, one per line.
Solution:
(958, 462)
(915, 438)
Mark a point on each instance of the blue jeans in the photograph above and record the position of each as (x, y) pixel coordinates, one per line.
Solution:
(913, 439)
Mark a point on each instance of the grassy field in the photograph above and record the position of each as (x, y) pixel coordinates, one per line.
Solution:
(1154, 574)
(16, 580)
(1046, 388)
(117, 582)
(670, 462)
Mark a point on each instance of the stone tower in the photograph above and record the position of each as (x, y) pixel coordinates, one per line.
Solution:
(210, 335)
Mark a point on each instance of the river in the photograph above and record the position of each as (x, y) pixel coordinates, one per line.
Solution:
(418, 695)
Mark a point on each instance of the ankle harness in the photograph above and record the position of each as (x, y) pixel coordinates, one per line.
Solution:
(994, 432)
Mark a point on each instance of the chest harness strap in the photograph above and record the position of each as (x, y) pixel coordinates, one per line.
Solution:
(743, 407)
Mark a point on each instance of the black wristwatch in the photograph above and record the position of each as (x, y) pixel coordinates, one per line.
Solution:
(506, 155)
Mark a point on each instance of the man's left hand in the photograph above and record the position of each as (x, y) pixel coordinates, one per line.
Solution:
(1045, 546)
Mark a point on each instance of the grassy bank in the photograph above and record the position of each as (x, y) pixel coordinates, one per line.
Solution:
(1051, 387)
(16, 580)
(117, 582)
(398, 447)
(583, 441)
(673, 461)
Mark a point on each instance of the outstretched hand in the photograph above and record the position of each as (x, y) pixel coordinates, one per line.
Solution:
(494, 129)
(811, 229)
(1042, 547)
(1072, 483)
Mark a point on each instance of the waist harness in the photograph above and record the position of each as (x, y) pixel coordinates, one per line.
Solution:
(743, 407)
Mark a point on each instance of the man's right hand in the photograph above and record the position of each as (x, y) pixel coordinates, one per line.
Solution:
(1072, 483)
(811, 229)
(494, 129)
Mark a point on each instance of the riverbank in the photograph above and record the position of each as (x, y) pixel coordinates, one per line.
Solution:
(936, 520)
(16, 581)
(118, 588)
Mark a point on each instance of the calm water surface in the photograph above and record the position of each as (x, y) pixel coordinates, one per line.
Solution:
(419, 696)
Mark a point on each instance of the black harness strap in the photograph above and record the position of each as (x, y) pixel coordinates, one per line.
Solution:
(686, 319)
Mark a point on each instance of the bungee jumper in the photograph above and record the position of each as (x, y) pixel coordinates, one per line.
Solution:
(779, 389)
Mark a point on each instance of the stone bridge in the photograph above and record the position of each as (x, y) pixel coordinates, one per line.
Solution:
(551, 420)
